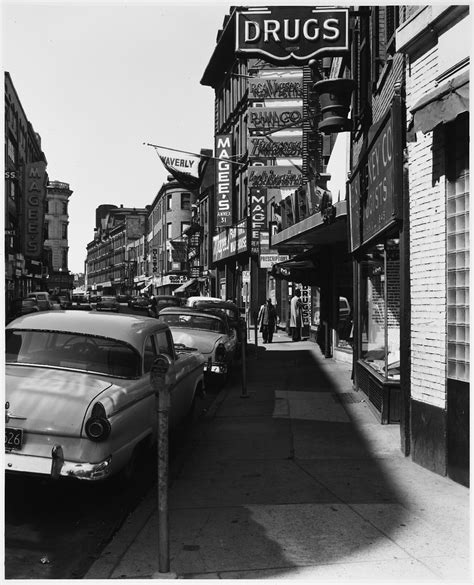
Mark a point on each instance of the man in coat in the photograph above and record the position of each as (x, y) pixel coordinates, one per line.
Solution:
(296, 315)
(267, 321)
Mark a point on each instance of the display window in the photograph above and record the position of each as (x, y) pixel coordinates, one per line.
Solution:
(380, 309)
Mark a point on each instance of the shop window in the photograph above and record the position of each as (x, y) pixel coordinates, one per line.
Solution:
(457, 192)
(380, 310)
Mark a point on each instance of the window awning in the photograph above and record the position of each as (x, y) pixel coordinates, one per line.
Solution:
(442, 105)
(301, 269)
(185, 285)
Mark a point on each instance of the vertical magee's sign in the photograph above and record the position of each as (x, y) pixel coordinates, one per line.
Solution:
(33, 217)
(223, 180)
(258, 217)
(295, 33)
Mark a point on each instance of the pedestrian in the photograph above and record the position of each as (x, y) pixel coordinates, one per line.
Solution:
(267, 321)
(296, 315)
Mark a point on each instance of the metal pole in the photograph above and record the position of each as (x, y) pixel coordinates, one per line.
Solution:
(244, 362)
(161, 389)
(255, 319)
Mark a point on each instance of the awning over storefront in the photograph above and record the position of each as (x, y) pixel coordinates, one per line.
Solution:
(185, 285)
(302, 269)
(442, 105)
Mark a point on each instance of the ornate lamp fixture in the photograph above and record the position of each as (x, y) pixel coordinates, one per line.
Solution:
(334, 98)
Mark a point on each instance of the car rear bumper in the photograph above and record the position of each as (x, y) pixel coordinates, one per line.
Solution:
(55, 466)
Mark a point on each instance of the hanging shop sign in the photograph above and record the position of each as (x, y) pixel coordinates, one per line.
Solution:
(375, 188)
(275, 118)
(269, 259)
(264, 242)
(275, 177)
(258, 217)
(287, 88)
(33, 217)
(275, 146)
(306, 301)
(292, 33)
(223, 180)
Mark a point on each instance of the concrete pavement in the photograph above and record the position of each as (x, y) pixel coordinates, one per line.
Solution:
(297, 481)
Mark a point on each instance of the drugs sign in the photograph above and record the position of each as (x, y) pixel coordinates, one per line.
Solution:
(297, 33)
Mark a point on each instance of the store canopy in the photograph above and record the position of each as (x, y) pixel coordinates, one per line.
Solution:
(185, 285)
(442, 105)
(301, 269)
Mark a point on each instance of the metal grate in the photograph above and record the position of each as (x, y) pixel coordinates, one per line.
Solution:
(346, 398)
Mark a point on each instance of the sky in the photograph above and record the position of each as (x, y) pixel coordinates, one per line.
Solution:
(97, 80)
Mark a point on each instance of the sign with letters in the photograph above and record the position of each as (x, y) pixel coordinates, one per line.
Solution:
(275, 118)
(275, 146)
(33, 218)
(277, 87)
(292, 33)
(275, 177)
(223, 180)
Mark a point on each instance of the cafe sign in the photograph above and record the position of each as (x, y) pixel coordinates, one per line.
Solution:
(292, 33)
(375, 189)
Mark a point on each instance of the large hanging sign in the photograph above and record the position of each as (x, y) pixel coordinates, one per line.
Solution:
(258, 217)
(375, 189)
(223, 180)
(275, 177)
(296, 33)
(275, 118)
(275, 146)
(33, 218)
(278, 87)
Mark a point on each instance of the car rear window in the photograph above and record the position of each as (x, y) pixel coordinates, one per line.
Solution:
(193, 322)
(72, 351)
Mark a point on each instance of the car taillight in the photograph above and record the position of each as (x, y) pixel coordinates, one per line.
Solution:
(98, 427)
(220, 353)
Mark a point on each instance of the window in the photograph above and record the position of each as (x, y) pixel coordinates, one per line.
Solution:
(149, 355)
(164, 343)
(457, 192)
(380, 309)
(169, 200)
(11, 150)
(64, 231)
(169, 230)
(186, 201)
(46, 231)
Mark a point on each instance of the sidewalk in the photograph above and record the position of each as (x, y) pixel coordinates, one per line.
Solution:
(298, 481)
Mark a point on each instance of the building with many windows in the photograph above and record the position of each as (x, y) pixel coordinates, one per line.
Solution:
(25, 198)
(56, 237)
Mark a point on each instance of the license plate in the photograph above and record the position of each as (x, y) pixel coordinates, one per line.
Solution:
(13, 439)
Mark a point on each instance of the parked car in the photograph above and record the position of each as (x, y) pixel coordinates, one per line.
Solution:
(78, 392)
(234, 315)
(140, 303)
(23, 307)
(122, 298)
(209, 333)
(43, 300)
(159, 302)
(191, 301)
(107, 304)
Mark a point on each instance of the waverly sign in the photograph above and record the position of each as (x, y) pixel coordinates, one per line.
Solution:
(292, 32)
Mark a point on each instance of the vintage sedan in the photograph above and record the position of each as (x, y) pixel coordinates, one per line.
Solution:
(80, 401)
(234, 314)
(210, 333)
(107, 304)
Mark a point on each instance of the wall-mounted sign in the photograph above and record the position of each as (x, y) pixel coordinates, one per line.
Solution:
(275, 146)
(264, 242)
(271, 258)
(292, 33)
(33, 218)
(275, 177)
(230, 241)
(258, 216)
(275, 118)
(223, 180)
(261, 88)
(375, 188)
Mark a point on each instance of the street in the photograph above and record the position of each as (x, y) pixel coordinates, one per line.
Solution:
(56, 530)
